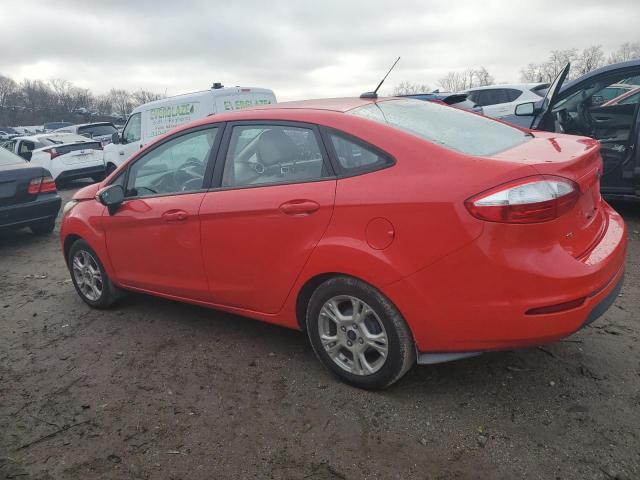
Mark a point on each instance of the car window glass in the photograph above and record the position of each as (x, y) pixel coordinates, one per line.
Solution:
(445, 126)
(97, 130)
(511, 94)
(174, 167)
(631, 99)
(354, 156)
(133, 130)
(262, 154)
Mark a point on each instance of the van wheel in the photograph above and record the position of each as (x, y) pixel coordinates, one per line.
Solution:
(90, 278)
(358, 334)
(109, 170)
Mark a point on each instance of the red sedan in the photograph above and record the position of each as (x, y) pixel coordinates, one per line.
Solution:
(391, 230)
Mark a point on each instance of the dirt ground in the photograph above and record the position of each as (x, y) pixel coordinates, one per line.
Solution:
(160, 390)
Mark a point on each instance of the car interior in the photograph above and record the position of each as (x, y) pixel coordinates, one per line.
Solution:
(586, 112)
(272, 155)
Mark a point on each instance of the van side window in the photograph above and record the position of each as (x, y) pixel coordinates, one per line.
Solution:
(133, 130)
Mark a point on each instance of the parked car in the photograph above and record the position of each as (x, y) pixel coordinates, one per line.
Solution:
(577, 108)
(500, 100)
(51, 126)
(66, 155)
(100, 131)
(389, 230)
(7, 132)
(28, 195)
(456, 100)
(156, 118)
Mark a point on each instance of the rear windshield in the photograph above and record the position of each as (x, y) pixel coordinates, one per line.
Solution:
(450, 127)
(8, 158)
(97, 130)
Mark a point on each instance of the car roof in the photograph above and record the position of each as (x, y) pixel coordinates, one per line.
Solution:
(329, 104)
(599, 71)
(522, 86)
(89, 124)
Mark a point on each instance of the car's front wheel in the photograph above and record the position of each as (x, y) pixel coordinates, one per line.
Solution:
(44, 227)
(358, 334)
(89, 276)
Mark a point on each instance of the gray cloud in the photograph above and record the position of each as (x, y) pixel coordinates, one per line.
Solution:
(298, 48)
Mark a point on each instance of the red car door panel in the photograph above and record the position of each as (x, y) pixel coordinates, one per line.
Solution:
(154, 244)
(255, 241)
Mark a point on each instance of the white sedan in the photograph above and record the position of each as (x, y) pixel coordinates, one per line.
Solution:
(67, 156)
(500, 100)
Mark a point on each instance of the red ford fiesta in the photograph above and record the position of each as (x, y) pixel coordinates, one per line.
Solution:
(391, 230)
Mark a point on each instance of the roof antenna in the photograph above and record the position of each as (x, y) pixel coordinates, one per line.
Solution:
(374, 94)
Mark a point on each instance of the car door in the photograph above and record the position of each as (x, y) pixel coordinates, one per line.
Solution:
(153, 239)
(131, 140)
(274, 200)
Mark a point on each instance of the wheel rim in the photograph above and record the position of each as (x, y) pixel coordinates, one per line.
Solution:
(353, 335)
(87, 275)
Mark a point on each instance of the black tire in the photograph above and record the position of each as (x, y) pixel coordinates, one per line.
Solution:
(43, 228)
(98, 178)
(401, 352)
(109, 293)
(109, 170)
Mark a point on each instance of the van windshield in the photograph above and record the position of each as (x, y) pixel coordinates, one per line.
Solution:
(450, 127)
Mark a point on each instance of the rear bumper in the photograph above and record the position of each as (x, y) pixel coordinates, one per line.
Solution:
(81, 173)
(483, 304)
(24, 214)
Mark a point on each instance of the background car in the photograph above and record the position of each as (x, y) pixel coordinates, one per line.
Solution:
(500, 100)
(456, 100)
(373, 225)
(51, 126)
(28, 195)
(67, 156)
(100, 131)
(577, 108)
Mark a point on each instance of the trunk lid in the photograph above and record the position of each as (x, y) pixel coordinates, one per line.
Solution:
(14, 183)
(77, 153)
(578, 159)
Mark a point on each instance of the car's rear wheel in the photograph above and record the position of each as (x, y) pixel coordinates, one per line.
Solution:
(89, 276)
(358, 334)
(44, 227)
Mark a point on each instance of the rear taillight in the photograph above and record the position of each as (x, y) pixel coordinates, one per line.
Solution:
(42, 185)
(53, 152)
(529, 200)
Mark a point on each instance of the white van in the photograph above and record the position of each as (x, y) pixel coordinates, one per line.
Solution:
(155, 118)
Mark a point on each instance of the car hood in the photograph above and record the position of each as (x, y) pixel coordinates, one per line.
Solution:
(88, 192)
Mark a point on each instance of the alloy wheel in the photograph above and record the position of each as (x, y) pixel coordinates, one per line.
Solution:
(353, 335)
(86, 273)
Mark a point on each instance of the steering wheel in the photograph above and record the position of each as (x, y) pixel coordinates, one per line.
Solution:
(584, 118)
(185, 174)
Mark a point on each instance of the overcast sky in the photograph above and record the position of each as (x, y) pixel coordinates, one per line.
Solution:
(300, 49)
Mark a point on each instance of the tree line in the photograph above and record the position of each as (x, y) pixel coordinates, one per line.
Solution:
(34, 102)
(582, 61)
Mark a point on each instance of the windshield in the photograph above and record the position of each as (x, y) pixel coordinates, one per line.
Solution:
(453, 128)
(8, 158)
(97, 130)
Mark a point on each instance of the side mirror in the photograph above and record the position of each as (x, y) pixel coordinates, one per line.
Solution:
(525, 109)
(115, 137)
(111, 197)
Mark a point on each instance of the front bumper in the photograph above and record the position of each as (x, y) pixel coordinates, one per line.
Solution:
(45, 207)
(477, 298)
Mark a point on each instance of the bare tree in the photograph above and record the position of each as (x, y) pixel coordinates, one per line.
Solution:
(589, 59)
(409, 88)
(103, 105)
(140, 97)
(457, 81)
(626, 51)
(8, 93)
(121, 102)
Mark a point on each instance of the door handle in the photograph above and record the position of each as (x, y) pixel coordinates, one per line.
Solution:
(174, 216)
(299, 207)
(121, 152)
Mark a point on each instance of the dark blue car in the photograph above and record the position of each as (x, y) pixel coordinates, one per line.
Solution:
(579, 108)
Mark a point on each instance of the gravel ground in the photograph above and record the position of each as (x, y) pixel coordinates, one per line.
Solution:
(156, 389)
